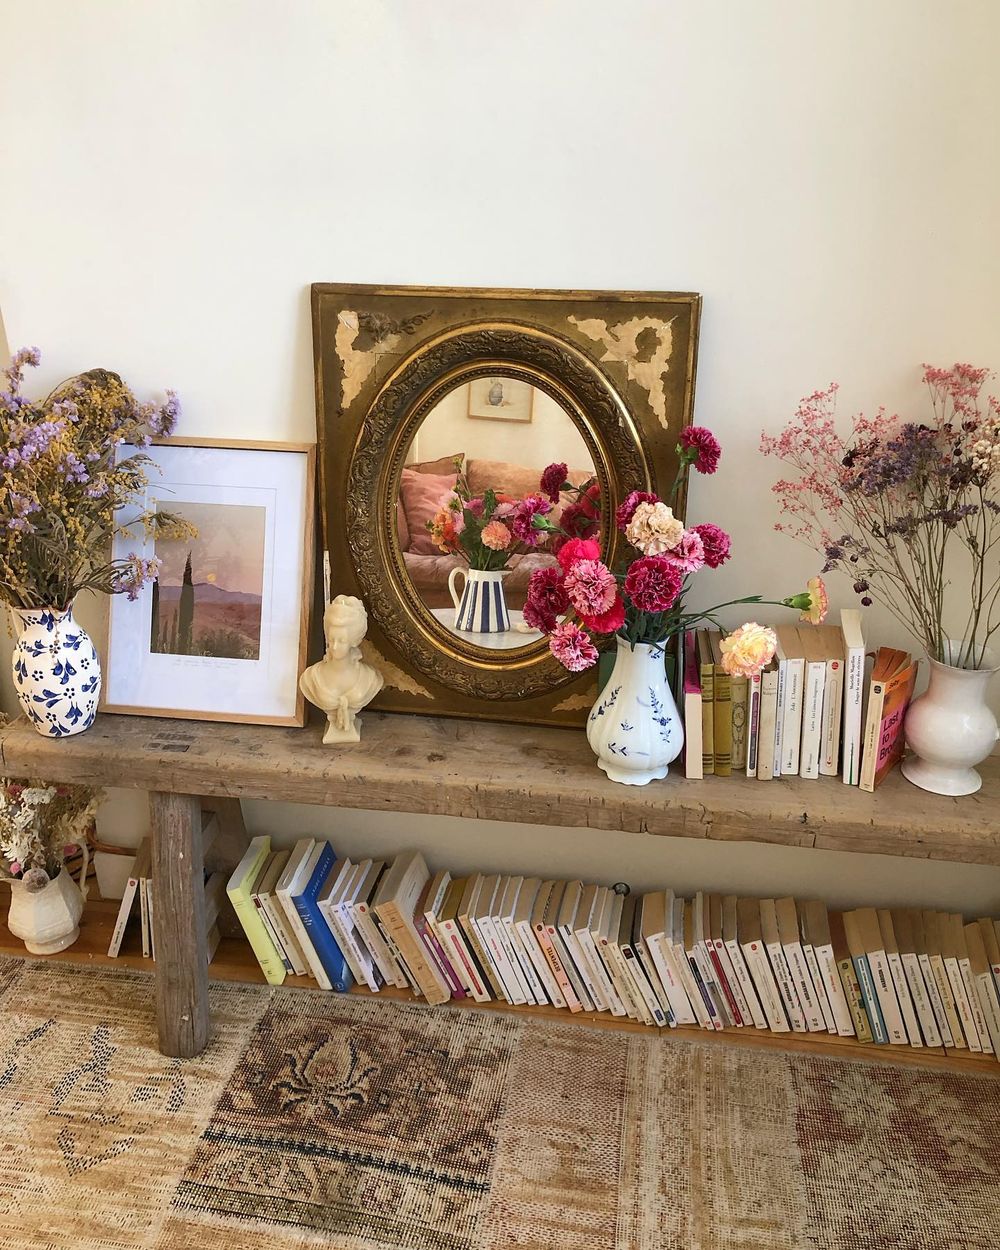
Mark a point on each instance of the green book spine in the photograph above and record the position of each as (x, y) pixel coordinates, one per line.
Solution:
(249, 918)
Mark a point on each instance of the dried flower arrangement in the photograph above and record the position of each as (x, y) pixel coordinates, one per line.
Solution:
(62, 481)
(904, 508)
(41, 825)
(644, 602)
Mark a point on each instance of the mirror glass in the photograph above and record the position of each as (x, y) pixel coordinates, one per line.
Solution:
(469, 563)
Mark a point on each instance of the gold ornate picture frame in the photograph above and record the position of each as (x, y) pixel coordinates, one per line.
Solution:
(621, 366)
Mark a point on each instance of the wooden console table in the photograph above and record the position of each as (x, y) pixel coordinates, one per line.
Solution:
(454, 768)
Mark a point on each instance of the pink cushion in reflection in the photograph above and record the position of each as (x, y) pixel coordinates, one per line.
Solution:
(423, 494)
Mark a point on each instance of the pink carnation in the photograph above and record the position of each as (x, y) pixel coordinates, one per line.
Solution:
(653, 583)
(591, 587)
(523, 522)
(715, 543)
(553, 480)
(578, 549)
(689, 554)
(623, 513)
(572, 647)
(704, 446)
(538, 616)
(496, 536)
(546, 600)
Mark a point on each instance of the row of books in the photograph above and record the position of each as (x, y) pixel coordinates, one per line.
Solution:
(805, 715)
(897, 976)
(138, 896)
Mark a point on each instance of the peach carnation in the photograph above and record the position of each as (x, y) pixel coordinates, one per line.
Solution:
(654, 529)
(496, 536)
(748, 649)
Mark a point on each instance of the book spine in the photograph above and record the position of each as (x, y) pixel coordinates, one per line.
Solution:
(490, 929)
(566, 959)
(819, 987)
(887, 1001)
(873, 726)
(726, 978)
(601, 975)
(921, 1000)
(383, 956)
(643, 990)
(552, 958)
(474, 978)
(327, 952)
(767, 987)
(572, 945)
(990, 1007)
(854, 685)
(786, 987)
(425, 931)
(804, 987)
(346, 946)
(279, 950)
(276, 915)
(903, 998)
(433, 985)
(543, 972)
(709, 979)
(855, 999)
(791, 720)
(872, 1008)
(812, 719)
(662, 955)
(124, 911)
(711, 1011)
(753, 723)
(691, 986)
(144, 915)
(655, 981)
(305, 943)
(833, 700)
(706, 673)
(742, 973)
(830, 974)
(722, 723)
(968, 1025)
(522, 962)
(475, 939)
(615, 962)
(257, 935)
(779, 718)
(953, 1026)
(978, 1019)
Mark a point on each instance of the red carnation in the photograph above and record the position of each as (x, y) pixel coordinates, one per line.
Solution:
(578, 549)
(716, 543)
(553, 480)
(701, 446)
(609, 622)
(577, 521)
(546, 600)
(653, 583)
(625, 510)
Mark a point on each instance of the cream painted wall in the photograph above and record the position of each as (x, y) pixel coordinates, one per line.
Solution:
(826, 175)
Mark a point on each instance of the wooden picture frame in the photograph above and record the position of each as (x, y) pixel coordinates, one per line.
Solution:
(144, 639)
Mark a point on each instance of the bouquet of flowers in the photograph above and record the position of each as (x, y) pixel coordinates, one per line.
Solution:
(62, 482)
(644, 601)
(40, 826)
(894, 503)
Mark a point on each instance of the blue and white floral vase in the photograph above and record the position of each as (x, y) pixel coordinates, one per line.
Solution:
(57, 674)
(634, 728)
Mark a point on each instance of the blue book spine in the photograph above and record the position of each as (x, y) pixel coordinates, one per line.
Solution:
(868, 993)
(327, 950)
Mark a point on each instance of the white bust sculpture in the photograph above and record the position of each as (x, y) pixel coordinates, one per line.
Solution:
(341, 684)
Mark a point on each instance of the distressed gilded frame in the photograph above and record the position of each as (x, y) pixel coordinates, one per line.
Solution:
(622, 365)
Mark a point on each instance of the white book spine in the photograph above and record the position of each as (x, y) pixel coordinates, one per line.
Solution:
(804, 987)
(779, 718)
(978, 1019)
(819, 987)
(332, 918)
(989, 1005)
(343, 914)
(286, 939)
(503, 931)
(937, 1002)
(383, 956)
(643, 990)
(687, 978)
(600, 972)
(583, 967)
(124, 911)
(501, 965)
(887, 1001)
(733, 981)
(543, 972)
(655, 982)
(615, 961)
(144, 915)
(720, 1012)
(833, 700)
(834, 991)
(810, 749)
(786, 986)
(746, 984)
(769, 995)
(921, 999)
(854, 689)
(299, 929)
(791, 718)
(957, 983)
(534, 982)
(569, 967)
(995, 969)
(268, 924)
(903, 997)
(661, 952)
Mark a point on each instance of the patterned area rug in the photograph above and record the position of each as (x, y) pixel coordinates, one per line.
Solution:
(318, 1120)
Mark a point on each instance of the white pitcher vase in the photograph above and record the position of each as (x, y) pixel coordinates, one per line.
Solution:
(481, 607)
(950, 728)
(634, 728)
(57, 674)
(46, 920)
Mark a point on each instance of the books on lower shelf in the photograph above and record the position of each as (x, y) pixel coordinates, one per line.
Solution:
(886, 977)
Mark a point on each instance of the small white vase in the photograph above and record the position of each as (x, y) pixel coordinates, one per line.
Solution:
(950, 728)
(48, 920)
(57, 674)
(481, 607)
(634, 728)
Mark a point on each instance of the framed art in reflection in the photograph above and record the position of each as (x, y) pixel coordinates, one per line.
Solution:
(222, 632)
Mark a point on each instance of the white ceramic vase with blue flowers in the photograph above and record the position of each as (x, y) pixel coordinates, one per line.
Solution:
(634, 728)
(57, 674)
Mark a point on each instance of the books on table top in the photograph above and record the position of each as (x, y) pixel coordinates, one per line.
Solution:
(753, 723)
(693, 744)
(854, 693)
(395, 905)
(891, 688)
(706, 678)
(739, 696)
(791, 682)
(813, 651)
(835, 651)
(722, 714)
(768, 744)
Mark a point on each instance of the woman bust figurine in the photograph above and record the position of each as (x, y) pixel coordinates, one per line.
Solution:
(341, 684)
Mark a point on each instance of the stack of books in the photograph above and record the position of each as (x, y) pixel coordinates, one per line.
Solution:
(888, 977)
(811, 713)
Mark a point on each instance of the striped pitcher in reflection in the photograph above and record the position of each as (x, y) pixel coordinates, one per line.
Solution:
(481, 607)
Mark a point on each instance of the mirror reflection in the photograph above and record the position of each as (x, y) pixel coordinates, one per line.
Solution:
(473, 516)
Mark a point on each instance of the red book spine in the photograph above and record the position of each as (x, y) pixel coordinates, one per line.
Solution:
(720, 974)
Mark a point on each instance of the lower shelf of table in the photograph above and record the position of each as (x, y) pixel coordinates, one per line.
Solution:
(234, 961)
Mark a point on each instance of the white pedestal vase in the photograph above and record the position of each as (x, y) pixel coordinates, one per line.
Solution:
(950, 728)
(57, 673)
(634, 728)
(46, 920)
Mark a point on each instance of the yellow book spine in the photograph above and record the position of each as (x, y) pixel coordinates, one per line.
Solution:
(722, 723)
(257, 935)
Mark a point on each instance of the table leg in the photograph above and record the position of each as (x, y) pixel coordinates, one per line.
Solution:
(179, 924)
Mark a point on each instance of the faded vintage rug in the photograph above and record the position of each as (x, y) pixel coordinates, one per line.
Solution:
(318, 1120)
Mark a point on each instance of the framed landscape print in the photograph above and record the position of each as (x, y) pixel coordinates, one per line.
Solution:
(222, 632)
(501, 399)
